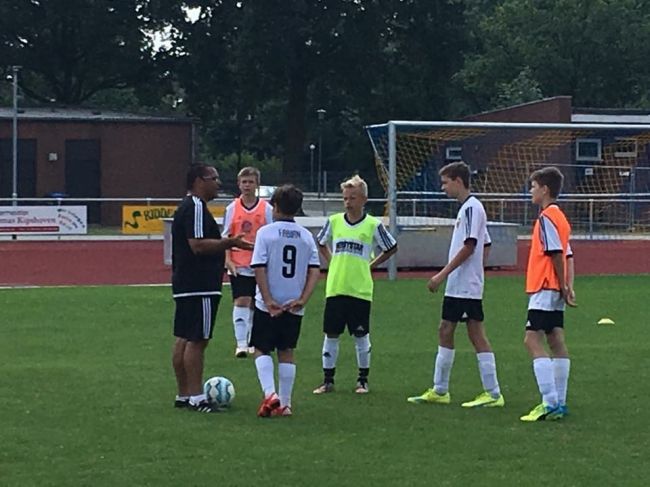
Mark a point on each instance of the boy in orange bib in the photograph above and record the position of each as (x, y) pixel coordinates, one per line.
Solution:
(549, 284)
(245, 215)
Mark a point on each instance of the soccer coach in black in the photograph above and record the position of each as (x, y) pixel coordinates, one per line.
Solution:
(198, 256)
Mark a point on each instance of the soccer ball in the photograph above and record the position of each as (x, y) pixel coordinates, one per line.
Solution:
(219, 391)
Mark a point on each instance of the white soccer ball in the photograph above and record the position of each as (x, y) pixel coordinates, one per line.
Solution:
(219, 391)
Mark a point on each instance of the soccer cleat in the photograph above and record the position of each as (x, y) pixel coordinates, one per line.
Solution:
(542, 412)
(362, 387)
(270, 403)
(251, 350)
(241, 352)
(182, 403)
(485, 400)
(560, 412)
(324, 388)
(432, 397)
(282, 411)
(205, 407)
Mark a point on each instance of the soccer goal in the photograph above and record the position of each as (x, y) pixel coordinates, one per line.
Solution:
(606, 167)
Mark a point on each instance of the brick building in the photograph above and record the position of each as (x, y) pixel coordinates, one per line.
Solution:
(96, 154)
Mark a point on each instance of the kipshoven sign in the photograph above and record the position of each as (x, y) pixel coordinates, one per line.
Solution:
(71, 220)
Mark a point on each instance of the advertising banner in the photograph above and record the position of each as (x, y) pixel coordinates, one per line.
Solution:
(64, 220)
(139, 219)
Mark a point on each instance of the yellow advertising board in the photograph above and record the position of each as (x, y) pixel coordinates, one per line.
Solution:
(148, 218)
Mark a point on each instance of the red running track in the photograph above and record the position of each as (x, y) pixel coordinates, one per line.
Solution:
(42, 263)
(82, 262)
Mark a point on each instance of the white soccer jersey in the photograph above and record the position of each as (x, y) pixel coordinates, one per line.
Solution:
(466, 281)
(287, 250)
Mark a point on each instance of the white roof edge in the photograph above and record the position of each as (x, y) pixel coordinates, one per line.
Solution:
(617, 119)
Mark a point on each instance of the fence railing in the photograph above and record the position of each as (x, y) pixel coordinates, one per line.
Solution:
(597, 216)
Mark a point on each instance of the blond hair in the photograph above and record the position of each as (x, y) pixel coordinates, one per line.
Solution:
(250, 171)
(356, 182)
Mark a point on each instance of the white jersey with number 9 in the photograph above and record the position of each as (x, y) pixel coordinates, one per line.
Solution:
(287, 250)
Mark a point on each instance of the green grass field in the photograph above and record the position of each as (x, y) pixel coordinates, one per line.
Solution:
(87, 388)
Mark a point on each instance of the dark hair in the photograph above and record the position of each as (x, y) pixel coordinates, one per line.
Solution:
(456, 170)
(551, 177)
(287, 199)
(195, 171)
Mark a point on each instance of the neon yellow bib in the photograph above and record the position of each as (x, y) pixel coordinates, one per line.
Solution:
(352, 249)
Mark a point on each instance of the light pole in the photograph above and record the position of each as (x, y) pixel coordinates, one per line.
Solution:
(311, 166)
(321, 116)
(14, 137)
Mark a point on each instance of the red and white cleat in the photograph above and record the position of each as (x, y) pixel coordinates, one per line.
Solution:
(269, 404)
(282, 411)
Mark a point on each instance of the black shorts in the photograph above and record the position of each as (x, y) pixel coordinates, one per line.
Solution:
(346, 310)
(279, 333)
(539, 320)
(194, 317)
(461, 309)
(242, 286)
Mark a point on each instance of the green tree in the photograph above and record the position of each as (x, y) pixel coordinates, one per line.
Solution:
(594, 50)
(256, 72)
(70, 50)
(522, 89)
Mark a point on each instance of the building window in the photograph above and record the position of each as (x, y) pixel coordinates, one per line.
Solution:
(588, 150)
(625, 147)
(454, 153)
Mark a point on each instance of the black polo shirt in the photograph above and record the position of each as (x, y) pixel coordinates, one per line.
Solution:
(195, 275)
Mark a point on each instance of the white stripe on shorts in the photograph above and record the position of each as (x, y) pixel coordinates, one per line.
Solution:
(207, 315)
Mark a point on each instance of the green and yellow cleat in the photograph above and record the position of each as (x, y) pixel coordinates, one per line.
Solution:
(432, 397)
(542, 412)
(485, 400)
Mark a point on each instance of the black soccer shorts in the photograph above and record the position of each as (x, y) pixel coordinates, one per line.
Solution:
(194, 317)
(342, 311)
(242, 286)
(279, 333)
(462, 309)
(540, 320)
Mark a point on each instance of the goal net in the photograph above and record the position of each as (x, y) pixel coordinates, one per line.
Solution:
(606, 170)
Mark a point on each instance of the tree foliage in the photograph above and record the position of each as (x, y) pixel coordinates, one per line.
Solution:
(256, 71)
(593, 50)
(70, 50)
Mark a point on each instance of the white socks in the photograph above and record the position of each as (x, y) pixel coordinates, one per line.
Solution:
(487, 368)
(330, 352)
(362, 346)
(561, 368)
(286, 377)
(543, 368)
(264, 366)
(196, 400)
(249, 325)
(442, 371)
(240, 318)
